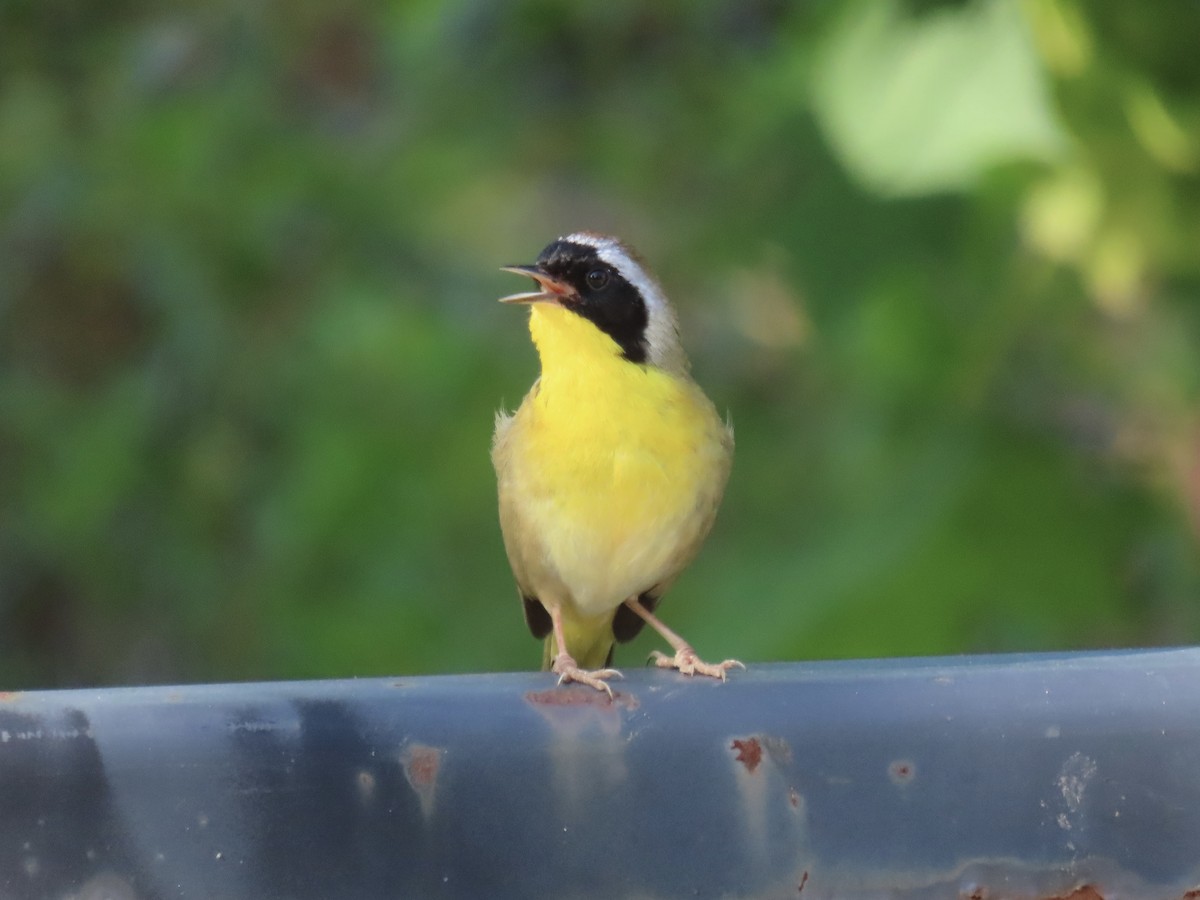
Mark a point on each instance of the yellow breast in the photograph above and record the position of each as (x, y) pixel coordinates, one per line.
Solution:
(610, 472)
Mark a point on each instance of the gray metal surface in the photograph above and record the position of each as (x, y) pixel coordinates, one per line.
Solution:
(1037, 776)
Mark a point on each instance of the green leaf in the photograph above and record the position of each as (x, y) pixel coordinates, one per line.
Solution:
(920, 105)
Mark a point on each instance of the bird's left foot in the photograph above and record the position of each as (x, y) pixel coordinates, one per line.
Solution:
(688, 663)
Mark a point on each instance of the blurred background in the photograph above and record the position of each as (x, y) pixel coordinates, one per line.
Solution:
(939, 260)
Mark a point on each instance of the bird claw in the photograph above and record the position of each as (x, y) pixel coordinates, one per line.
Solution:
(688, 663)
(568, 671)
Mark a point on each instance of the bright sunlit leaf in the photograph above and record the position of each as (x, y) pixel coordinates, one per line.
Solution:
(919, 105)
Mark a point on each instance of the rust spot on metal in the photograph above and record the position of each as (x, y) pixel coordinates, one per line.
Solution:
(752, 750)
(803, 882)
(1087, 892)
(421, 767)
(1084, 892)
(1193, 894)
(9, 696)
(902, 771)
(589, 698)
(794, 801)
(749, 752)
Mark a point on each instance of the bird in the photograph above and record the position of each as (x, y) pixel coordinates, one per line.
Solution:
(611, 470)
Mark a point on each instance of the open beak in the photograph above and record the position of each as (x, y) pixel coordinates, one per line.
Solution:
(552, 289)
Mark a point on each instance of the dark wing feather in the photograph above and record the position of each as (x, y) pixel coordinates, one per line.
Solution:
(626, 623)
(536, 617)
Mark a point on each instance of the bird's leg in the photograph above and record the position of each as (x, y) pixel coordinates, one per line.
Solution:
(685, 658)
(566, 668)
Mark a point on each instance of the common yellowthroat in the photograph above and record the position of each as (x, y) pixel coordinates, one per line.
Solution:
(611, 471)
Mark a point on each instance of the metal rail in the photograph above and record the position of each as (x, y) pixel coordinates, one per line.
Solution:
(978, 777)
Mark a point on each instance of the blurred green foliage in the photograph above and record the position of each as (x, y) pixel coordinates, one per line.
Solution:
(938, 259)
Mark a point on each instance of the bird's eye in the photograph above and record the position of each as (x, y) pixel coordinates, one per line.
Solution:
(597, 279)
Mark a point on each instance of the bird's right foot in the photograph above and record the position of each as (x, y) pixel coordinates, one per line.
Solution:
(567, 670)
(688, 663)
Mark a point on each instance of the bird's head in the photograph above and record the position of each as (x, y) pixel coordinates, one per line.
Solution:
(601, 280)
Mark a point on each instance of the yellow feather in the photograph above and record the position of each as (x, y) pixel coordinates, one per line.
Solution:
(609, 473)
